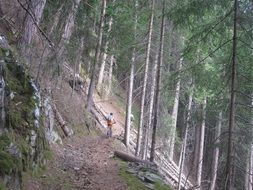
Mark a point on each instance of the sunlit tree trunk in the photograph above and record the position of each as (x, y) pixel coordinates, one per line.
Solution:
(216, 152)
(183, 151)
(150, 30)
(131, 84)
(157, 92)
(201, 144)
(97, 55)
(174, 114)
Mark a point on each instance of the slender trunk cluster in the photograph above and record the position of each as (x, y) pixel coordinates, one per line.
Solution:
(131, 84)
(151, 107)
(97, 55)
(104, 57)
(144, 85)
(157, 92)
(183, 151)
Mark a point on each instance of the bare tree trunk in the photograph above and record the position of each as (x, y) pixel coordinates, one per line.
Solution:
(97, 55)
(157, 92)
(174, 114)
(104, 57)
(201, 144)
(150, 30)
(230, 152)
(35, 7)
(131, 84)
(216, 152)
(182, 158)
(68, 28)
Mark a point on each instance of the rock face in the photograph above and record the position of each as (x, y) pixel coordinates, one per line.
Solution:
(22, 139)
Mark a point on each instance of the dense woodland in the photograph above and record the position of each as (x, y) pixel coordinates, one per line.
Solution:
(182, 68)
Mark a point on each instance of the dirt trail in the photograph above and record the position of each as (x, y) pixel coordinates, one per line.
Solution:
(83, 162)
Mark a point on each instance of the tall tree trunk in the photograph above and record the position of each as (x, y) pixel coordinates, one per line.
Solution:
(216, 152)
(230, 151)
(181, 165)
(174, 114)
(157, 92)
(97, 55)
(68, 28)
(131, 84)
(104, 57)
(35, 7)
(150, 30)
(201, 144)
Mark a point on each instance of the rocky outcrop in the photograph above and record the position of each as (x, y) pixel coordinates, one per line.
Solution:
(22, 138)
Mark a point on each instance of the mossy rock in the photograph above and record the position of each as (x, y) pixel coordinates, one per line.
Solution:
(4, 142)
(9, 163)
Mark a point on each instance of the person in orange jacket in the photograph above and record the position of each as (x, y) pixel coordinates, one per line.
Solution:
(110, 122)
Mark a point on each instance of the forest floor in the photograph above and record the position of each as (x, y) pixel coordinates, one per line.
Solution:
(84, 162)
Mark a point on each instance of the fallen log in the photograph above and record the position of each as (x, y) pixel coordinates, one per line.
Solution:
(129, 158)
(67, 132)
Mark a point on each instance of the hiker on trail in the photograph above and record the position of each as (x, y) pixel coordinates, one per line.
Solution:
(110, 121)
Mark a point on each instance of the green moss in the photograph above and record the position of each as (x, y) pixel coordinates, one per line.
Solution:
(8, 163)
(2, 186)
(161, 186)
(132, 181)
(135, 184)
(48, 154)
(4, 141)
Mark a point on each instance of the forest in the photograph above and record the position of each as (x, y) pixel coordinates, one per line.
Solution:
(176, 76)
